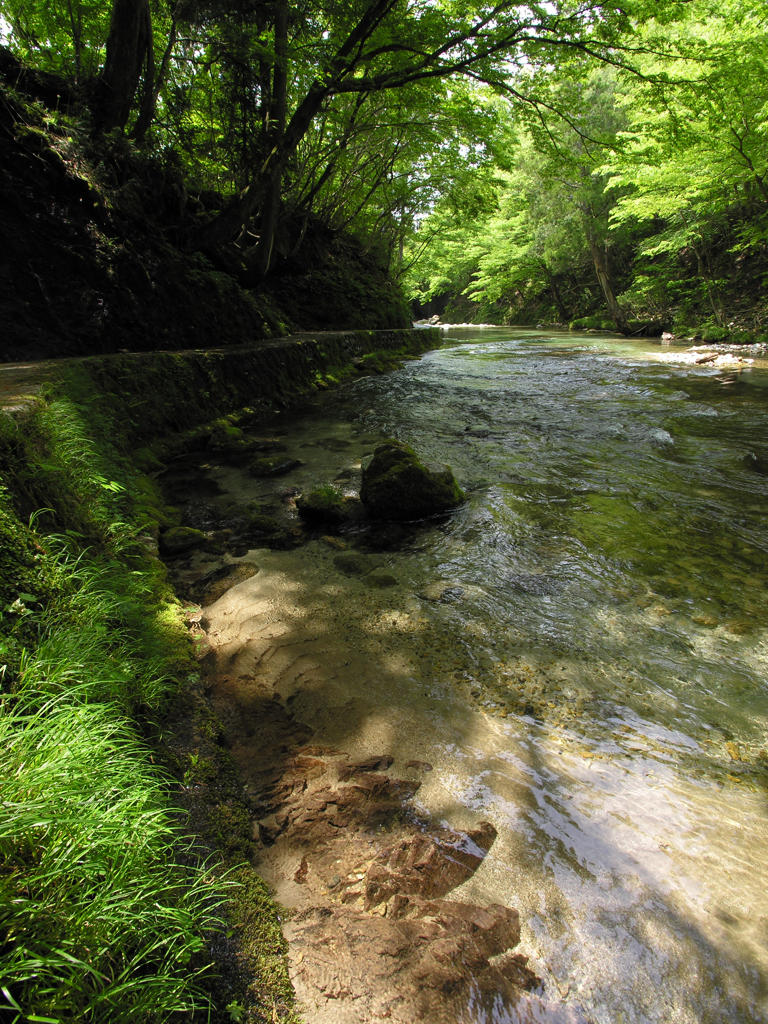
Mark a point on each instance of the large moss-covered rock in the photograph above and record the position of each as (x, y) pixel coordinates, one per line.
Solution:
(181, 538)
(228, 440)
(398, 485)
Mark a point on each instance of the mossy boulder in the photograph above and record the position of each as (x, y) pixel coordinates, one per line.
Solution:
(398, 485)
(181, 538)
(261, 524)
(228, 440)
(237, 515)
(327, 506)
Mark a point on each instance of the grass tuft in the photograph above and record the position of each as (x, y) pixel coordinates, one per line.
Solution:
(109, 911)
(98, 919)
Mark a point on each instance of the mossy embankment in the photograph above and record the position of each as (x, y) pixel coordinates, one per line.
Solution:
(146, 396)
(126, 892)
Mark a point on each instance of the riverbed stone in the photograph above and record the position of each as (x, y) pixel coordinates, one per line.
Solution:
(210, 587)
(181, 538)
(398, 485)
(327, 506)
(427, 866)
(275, 466)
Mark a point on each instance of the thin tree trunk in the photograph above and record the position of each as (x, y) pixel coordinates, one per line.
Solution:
(262, 257)
(601, 269)
(76, 24)
(562, 312)
(708, 285)
(129, 44)
(151, 96)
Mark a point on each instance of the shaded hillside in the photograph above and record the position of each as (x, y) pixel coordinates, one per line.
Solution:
(94, 257)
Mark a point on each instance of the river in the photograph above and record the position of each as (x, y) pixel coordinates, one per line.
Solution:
(580, 651)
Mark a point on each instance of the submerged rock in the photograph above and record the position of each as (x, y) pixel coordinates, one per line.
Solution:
(181, 538)
(398, 485)
(214, 584)
(273, 467)
(354, 564)
(756, 463)
(250, 519)
(380, 581)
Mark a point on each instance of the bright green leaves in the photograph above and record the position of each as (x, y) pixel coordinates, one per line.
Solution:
(61, 36)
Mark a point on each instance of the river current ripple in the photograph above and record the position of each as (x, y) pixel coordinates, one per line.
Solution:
(595, 678)
(617, 531)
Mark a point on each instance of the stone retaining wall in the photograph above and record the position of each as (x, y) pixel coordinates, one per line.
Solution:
(148, 394)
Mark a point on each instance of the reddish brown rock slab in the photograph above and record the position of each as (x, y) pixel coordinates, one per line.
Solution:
(372, 938)
(433, 966)
(377, 763)
(427, 865)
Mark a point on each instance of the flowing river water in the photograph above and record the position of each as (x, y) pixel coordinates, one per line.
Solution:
(580, 651)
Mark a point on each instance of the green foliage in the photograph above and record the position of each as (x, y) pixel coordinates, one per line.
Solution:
(19, 555)
(106, 909)
(56, 467)
(664, 173)
(65, 37)
(98, 919)
(714, 334)
(370, 118)
(101, 906)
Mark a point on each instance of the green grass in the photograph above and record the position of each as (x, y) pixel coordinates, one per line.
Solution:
(106, 910)
(98, 918)
(103, 905)
(109, 911)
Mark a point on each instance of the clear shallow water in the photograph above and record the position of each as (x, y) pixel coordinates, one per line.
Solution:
(581, 650)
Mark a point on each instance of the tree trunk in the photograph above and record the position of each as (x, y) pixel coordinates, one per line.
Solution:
(601, 269)
(152, 89)
(262, 257)
(562, 312)
(129, 45)
(76, 25)
(708, 285)
(231, 220)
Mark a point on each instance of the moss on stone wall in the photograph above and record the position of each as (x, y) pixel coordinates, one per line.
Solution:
(147, 395)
